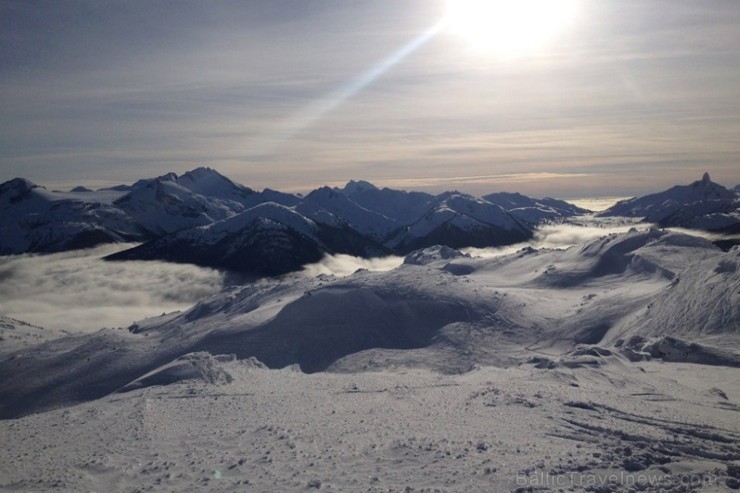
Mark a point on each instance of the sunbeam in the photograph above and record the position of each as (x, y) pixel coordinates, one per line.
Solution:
(315, 111)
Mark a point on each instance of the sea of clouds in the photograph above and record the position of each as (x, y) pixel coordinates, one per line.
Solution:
(80, 292)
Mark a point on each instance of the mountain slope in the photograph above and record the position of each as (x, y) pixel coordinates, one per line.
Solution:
(459, 220)
(700, 205)
(534, 211)
(268, 239)
(328, 206)
(170, 203)
(32, 219)
(448, 312)
(404, 207)
(702, 301)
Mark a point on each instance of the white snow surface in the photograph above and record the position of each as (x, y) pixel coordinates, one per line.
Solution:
(269, 213)
(31, 217)
(235, 426)
(448, 373)
(17, 334)
(332, 207)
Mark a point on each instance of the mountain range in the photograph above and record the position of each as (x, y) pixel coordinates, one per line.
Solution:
(703, 205)
(203, 217)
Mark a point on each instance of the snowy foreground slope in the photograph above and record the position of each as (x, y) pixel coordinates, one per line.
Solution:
(449, 373)
(664, 427)
(16, 334)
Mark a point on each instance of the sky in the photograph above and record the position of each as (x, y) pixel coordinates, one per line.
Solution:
(621, 97)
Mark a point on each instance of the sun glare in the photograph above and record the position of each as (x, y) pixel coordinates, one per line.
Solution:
(510, 28)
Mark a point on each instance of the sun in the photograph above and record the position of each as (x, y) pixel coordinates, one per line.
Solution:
(510, 28)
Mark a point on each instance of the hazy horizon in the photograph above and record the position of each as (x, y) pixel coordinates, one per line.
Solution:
(621, 98)
(591, 201)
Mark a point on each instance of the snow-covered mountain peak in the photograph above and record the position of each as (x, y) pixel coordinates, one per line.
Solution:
(453, 194)
(270, 211)
(701, 205)
(708, 189)
(81, 189)
(17, 185)
(323, 193)
(168, 177)
(353, 187)
(17, 190)
(202, 171)
(209, 182)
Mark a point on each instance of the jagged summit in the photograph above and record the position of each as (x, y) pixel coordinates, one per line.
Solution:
(323, 192)
(16, 190)
(353, 187)
(209, 182)
(201, 171)
(701, 205)
(17, 184)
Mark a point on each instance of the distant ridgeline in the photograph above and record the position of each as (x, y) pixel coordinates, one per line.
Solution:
(204, 218)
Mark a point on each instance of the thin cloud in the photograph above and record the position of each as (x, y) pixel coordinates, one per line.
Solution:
(343, 265)
(558, 236)
(452, 181)
(596, 204)
(707, 235)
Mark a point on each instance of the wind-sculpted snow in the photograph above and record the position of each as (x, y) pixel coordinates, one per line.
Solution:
(442, 310)
(703, 300)
(194, 366)
(341, 265)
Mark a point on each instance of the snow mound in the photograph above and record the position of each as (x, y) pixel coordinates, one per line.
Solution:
(580, 356)
(701, 301)
(328, 324)
(200, 366)
(433, 254)
(675, 350)
(616, 254)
